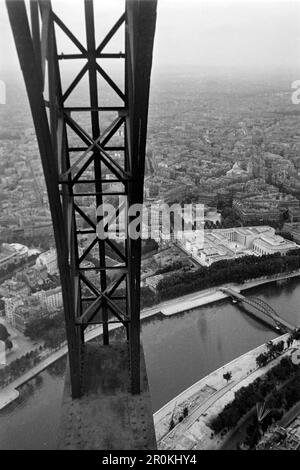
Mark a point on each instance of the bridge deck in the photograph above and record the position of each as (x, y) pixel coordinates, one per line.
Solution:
(272, 314)
(108, 416)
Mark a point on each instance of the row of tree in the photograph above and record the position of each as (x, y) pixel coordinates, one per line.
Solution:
(50, 330)
(236, 270)
(38, 240)
(11, 268)
(273, 350)
(149, 245)
(262, 389)
(170, 267)
(19, 366)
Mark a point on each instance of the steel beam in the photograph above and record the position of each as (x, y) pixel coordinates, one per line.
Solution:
(83, 297)
(140, 28)
(24, 44)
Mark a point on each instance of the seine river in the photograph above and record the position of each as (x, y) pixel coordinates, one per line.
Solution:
(179, 350)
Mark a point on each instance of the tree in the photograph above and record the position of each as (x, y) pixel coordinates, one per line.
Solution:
(149, 245)
(227, 376)
(172, 424)
(262, 360)
(262, 391)
(295, 334)
(287, 235)
(3, 333)
(41, 328)
(236, 270)
(280, 346)
(8, 344)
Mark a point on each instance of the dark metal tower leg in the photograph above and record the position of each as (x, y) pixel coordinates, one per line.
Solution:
(67, 166)
(24, 44)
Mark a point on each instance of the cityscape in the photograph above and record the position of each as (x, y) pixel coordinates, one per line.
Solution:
(220, 321)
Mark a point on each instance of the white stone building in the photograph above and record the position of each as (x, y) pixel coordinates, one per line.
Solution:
(48, 259)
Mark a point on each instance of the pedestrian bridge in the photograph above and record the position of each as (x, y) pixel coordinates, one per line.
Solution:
(260, 306)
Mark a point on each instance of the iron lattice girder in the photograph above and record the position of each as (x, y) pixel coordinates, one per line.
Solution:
(93, 145)
(35, 46)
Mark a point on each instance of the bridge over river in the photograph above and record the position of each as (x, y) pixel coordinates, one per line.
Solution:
(263, 311)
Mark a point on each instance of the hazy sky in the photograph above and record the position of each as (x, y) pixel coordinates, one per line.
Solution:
(231, 33)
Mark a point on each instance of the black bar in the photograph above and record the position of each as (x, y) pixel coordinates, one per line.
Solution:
(75, 82)
(114, 193)
(20, 27)
(112, 55)
(110, 82)
(90, 37)
(99, 108)
(35, 29)
(102, 268)
(110, 34)
(71, 36)
(140, 27)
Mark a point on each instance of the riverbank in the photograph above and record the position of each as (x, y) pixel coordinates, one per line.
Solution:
(214, 294)
(204, 400)
(190, 301)
(10, 393)
(179, 351)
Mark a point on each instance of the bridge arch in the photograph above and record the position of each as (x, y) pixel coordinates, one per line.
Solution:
(262, 306)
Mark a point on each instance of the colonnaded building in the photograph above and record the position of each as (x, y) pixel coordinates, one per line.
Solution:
(209, 246)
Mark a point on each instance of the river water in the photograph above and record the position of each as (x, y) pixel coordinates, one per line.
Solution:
(179, 350)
